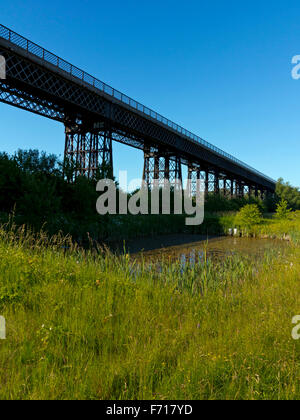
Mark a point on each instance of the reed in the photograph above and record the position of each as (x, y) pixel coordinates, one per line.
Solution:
(85, 324)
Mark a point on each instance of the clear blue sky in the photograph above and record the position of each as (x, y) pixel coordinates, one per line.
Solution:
(222, 69)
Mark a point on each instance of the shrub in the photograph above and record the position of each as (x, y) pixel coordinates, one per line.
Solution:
(285, 191)
(248, 217)
(282, 210)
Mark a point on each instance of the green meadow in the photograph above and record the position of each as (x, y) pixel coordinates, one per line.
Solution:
(90, 325)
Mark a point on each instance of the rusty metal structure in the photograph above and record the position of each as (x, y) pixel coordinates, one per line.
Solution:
(90, 149)
(95, 114)
(161, 166)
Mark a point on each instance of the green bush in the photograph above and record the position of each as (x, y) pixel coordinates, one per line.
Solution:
(248, 217)
(282, 210)
(285, 191)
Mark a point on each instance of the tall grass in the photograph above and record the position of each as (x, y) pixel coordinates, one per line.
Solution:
(89, 325)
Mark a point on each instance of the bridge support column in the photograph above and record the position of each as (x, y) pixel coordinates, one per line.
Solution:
(175, 172)
(88, 152)
(216, 183)
(194, 178)
(231, 188)
(242, 190)
(239, 189)
(225, 187)
(210, 182)
(160, 167)
(206, 183)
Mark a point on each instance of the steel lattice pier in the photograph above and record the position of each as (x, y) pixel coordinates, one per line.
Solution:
(95, 115)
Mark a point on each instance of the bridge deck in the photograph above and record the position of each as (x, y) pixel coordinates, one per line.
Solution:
(48, 85)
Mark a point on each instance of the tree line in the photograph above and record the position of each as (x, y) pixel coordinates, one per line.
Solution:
(37, 188)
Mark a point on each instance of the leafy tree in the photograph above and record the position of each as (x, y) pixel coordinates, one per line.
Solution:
(10, 183)
(217, 203)
(39, 202)
(285, 191)
(82, 197)
(248, 217)
(282, 210)
(33, 161)
(69, 169)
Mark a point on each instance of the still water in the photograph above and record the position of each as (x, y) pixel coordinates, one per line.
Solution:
(192, 249)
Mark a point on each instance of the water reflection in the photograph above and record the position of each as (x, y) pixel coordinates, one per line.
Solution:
(213, 249)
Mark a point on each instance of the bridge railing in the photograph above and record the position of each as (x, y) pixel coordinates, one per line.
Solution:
(74, 71)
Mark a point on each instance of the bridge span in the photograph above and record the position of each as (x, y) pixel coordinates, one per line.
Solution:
(95, 114)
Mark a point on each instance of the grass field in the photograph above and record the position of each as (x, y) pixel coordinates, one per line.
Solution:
(82, 325)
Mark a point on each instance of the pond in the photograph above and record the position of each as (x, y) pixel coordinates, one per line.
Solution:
(193, 248)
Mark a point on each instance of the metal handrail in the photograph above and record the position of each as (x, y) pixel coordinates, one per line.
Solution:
(74, 71)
